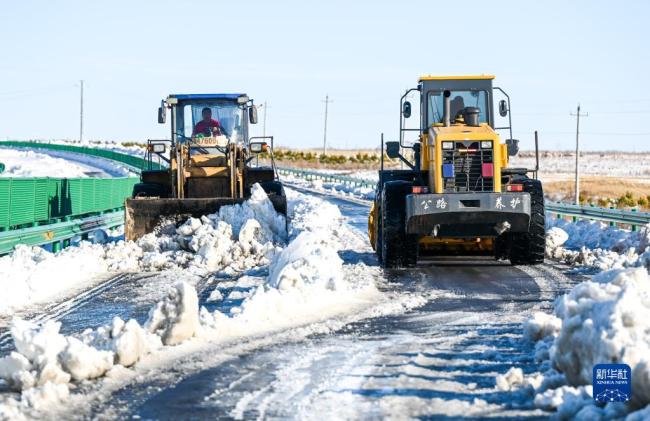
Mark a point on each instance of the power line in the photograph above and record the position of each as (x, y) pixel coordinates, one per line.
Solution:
(577, 115)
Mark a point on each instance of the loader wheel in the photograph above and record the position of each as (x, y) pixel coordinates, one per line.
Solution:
(149, 190)
(398, 249)
(528, 248)
(376, 229)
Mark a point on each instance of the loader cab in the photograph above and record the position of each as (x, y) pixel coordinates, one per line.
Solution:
(475, 92)
(232, 113)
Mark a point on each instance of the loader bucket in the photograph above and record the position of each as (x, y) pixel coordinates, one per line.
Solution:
(143, 215)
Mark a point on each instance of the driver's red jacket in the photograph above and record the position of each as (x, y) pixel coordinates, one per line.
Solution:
(203, 126)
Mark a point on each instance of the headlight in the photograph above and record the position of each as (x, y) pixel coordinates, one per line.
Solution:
(447, 145)
(486, 144)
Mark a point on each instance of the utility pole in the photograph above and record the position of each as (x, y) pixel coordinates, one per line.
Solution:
(327, 102)
(81, 113)
(577, 115)
(264, 106)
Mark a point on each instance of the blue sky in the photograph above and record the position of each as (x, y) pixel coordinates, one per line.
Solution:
(547, 55)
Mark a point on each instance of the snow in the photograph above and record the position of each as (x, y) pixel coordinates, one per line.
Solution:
(599, 321)
(237, 238)
(28, 163)
(604, 321)
(540, 326)
(307, 283)
(336, 188)
(35, 162)
(176, 318)
(596, 245)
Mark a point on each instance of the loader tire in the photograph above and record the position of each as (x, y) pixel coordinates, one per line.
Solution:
(377, 246)
(149, 190)
(528, 248)
(398, 249)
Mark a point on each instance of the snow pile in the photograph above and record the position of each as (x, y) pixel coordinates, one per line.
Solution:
(597, 245)
(540, 326)
(237, 238)
(600, 321)
(307, 260)
(176, 318)
(605, 321)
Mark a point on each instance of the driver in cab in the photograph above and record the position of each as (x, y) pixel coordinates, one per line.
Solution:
(207, 126)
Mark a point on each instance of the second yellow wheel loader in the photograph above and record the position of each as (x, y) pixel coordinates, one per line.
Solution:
(209, 162)
(458, 195)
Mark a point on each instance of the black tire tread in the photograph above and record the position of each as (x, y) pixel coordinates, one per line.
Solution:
(528, 248)
(398, 248)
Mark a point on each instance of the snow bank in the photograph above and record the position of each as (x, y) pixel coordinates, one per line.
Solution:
(237, 238)
(597, 245)
(603, 320)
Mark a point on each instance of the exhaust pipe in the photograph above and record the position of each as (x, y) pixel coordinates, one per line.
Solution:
(446, 108)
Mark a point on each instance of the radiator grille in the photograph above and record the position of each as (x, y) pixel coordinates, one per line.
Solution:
(467, 159)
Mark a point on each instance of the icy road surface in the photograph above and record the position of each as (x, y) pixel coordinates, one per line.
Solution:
(439, 359)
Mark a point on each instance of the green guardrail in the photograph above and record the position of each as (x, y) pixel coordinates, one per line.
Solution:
(631, 218)
(327, 177)
(134, 162)
(33, 201)
(60, 233)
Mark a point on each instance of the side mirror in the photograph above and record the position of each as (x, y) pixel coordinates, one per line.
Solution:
(392, 149)
(252, 115)
(157, 147)
(503, 108)
(162, 115)
(258, 147)
(513, 146)
(406, 109)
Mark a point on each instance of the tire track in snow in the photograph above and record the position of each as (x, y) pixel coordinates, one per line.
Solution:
(67, 307)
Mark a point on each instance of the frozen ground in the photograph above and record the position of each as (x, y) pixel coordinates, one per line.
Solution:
(34, 163)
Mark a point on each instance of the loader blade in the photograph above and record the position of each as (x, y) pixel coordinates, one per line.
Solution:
(142, 215)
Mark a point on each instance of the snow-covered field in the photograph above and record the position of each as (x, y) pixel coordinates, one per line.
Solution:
(34, 163)
(613, 164)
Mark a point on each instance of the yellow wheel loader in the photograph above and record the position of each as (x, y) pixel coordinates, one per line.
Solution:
(210, 162)
(458, 194)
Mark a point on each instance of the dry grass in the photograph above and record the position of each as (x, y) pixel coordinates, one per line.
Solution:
(604, 191)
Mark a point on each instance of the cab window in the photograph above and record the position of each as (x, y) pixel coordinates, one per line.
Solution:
(459, 100)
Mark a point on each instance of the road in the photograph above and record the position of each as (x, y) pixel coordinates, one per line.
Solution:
(439, 360)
